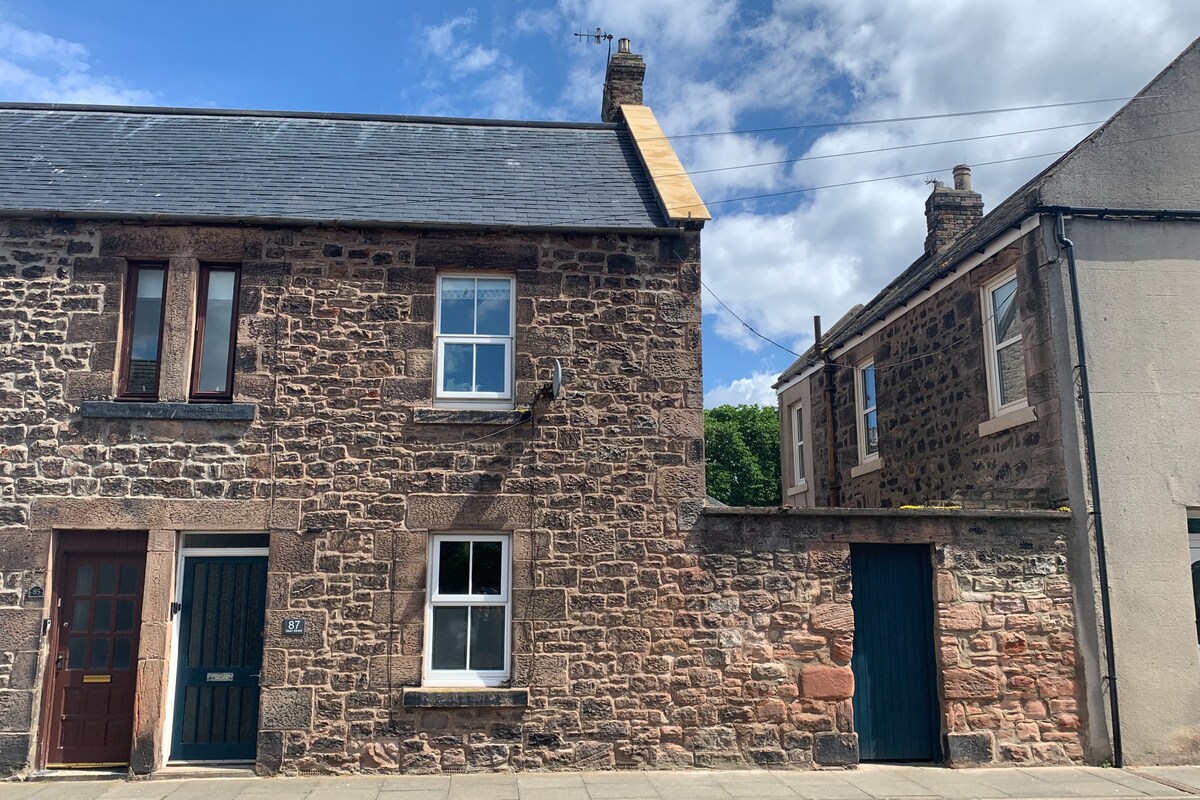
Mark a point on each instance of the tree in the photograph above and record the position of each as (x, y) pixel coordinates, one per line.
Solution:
(741, 445)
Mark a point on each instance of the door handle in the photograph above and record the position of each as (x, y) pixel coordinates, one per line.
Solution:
(58, 662)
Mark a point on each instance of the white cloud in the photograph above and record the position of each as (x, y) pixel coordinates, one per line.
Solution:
(537, 20)
(755, 390)
(777, 263)
(497, 84)
(39, 68)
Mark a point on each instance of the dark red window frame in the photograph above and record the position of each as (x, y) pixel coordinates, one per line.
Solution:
(127, 313)
(195, 395)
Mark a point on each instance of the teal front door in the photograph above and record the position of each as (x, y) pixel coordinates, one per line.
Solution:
(895, 688)
(220, 658)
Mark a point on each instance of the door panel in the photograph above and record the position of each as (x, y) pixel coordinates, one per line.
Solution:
(895, 696)
(220, 657)
(98, 618)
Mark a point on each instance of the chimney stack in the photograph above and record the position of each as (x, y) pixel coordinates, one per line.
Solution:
(622, 82)
(949, 213)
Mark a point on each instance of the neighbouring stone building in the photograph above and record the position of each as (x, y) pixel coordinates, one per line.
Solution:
(969, 380)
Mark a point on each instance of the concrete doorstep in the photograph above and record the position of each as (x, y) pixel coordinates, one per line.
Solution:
(865, 783)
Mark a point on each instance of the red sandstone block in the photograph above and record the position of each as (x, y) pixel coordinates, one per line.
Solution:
(960, 617)
(1056, 687)
(981, 683)
(832, 617)
(826, 683)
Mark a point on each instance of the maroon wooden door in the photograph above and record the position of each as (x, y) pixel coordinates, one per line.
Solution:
(94, 674)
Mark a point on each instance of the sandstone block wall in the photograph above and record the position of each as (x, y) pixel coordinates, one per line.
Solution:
(1003, 630)
(335, 351)
(645, 632)
(932, 396)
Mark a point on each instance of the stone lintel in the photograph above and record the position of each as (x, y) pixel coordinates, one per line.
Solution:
(469, 255)
(208, 412)
(465, 698)
(470, 416)
(151, 513)
(481, 512)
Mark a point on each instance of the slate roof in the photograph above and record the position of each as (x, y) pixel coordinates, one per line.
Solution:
(319, 168)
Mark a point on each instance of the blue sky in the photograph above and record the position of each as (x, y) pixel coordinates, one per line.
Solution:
(712, 66)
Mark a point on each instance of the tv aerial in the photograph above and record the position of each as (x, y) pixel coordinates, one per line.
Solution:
(599, 37)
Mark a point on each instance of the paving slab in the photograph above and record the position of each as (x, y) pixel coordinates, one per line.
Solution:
(869, 782)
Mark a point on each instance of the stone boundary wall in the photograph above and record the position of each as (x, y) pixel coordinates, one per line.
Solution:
(1004, 627)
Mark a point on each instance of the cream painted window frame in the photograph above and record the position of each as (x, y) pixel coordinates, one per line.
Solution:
(464, 678)
(861, 410)
(480, 400)
(992, 348)
(796, 415)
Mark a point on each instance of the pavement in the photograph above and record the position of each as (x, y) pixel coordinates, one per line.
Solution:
(868, 782)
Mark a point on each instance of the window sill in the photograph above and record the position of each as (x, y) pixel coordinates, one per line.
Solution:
(1009, 419)
(868, 466)
(465, 698)
(209, 412)
(470, 416)
(799, 488)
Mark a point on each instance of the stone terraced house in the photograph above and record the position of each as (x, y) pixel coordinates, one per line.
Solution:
(334, 443)
(969, 380)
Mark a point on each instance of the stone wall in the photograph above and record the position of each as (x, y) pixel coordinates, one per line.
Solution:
(335, 355)
(1004, 627)
(932, 397)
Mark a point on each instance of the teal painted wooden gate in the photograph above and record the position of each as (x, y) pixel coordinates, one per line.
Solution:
(895, 685)
(220, 658)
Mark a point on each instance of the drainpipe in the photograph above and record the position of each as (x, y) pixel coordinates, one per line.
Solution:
(834, 498)
(1094, 486)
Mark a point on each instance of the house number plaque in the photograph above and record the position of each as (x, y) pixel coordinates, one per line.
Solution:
(293, 627)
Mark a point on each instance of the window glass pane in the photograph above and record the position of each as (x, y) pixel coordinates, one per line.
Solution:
(1004, 311)
(218, 324)
(456, 306)
(868, 383)
(79, 615)
(457, 367)
(75, 647)
(872, 433)
(124, 616)
(106, 579)
(99, 655)
(449, 638)
(487, 637)
(454, 560)
(1010, 368)
(147, 318)
(226, 539)
(122, 652)
(1193, 524)
(486, 570)
(489, 367)
(799, 462)
(102, 621)
(492, 307)
(83, 579)
(127, 583)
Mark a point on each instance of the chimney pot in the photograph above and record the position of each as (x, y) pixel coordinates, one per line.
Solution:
(962, 178)
(623, 46)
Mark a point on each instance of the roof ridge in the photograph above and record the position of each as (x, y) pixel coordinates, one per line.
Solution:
(331, 116)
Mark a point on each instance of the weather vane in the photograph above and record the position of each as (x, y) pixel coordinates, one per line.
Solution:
(598, 38)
